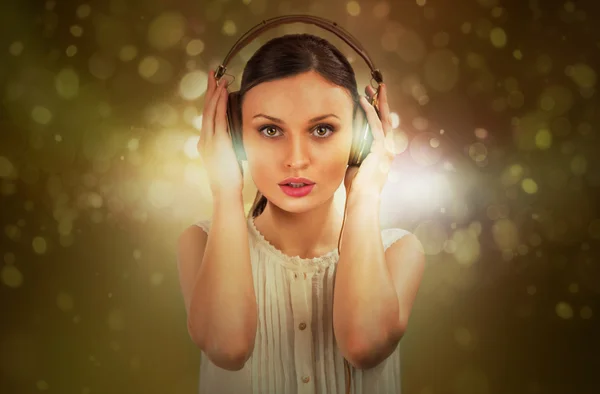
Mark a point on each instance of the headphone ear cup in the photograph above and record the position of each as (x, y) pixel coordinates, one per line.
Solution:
(362, 138)
(234, 121)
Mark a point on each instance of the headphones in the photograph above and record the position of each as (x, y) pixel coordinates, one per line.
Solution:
(362, 137)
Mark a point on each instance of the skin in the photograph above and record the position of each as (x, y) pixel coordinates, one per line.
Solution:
(308, 226)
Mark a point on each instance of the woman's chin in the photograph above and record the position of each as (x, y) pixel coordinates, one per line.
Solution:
(293, 205)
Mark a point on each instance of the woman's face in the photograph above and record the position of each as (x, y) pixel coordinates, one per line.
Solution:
(291, 143)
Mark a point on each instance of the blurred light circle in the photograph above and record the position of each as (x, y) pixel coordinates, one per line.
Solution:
(161, 194)
(229, 28)
(148, 66)
(395, 118)
(578, 165)
(166, 30)
(83, 11)
(488, 3)
(481, 133)
(582, 75)
(564, 310)
(71, 50)
(498, 37)
(467, 247)
(432, 235)
(400, 141)
(193, 85)
(189, 113)
(127, 53)
(76, 30)
(190, 147)
(39, 245)
(67, 83)
(441, 39)
(505, 234)
(529, 186)
(543, 139)
(11, 276)
(194, 47)
(594, 228)
(41, 115)
(411, 47)
(390, 41)
(441, 70)
(586, 312)
(381, 9)
(526, 128)
(478, 152)
(556, 99)
(258, 7)
(16, 48)
(112, 32)
(422, 151)
(353, 8)
(102, 66)
(471, 380)
(7, 169)
(155, 69)
(64, 301)
(516, 99)
(420, 123)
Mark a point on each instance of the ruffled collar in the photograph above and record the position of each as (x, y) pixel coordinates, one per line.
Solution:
(322, 261)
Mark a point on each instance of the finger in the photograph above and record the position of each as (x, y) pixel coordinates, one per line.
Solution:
(384, 110)
(208, 118)
(373, 119)
(211, 87)
(369, 91)
(221, 115)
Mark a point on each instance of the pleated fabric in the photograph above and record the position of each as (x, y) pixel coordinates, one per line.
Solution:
(295, 350)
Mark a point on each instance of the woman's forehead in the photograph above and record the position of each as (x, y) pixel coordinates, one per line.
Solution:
(306, 94)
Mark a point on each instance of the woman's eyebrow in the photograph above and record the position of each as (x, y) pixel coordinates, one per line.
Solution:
(277, 120)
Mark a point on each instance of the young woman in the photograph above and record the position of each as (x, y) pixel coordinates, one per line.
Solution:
(270, 302)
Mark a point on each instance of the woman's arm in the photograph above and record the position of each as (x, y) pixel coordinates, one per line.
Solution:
(217, 285)
(374, 290)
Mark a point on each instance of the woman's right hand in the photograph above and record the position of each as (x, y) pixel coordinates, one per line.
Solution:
(215, 145)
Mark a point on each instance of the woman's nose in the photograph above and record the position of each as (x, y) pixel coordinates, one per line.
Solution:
(297, 153)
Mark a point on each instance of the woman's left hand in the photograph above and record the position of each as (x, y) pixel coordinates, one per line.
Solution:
(372, 174)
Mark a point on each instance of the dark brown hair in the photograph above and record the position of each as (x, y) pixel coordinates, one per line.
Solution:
(290, 55)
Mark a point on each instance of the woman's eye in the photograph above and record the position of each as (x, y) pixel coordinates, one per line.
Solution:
(268, 131)
(322, 130)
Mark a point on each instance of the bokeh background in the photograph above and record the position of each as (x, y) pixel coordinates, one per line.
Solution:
(496, 126)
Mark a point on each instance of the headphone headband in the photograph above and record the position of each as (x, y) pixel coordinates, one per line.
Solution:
(308, 19)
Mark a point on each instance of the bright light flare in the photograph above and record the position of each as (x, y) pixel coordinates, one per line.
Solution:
(190, 147)
(423, 190)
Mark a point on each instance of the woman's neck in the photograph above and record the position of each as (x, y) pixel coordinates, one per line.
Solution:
(307, 234)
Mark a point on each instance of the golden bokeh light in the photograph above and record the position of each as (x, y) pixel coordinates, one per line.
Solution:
(166, 30)
(498, 37)
(432, 235)
(441, 70)
(353, 8)
(193, 85)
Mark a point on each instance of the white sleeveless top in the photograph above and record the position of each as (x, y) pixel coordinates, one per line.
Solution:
(295, 350)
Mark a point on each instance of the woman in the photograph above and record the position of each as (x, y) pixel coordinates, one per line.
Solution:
(259, 290)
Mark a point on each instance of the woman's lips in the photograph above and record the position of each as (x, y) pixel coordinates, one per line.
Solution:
(297, 191)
